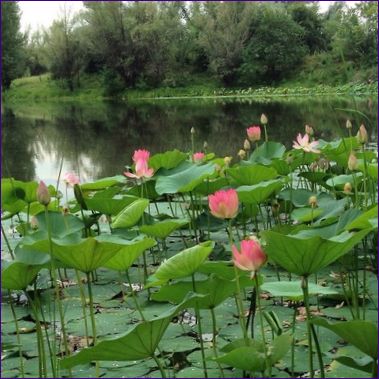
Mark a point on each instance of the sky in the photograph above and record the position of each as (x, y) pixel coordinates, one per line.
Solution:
(42, 13)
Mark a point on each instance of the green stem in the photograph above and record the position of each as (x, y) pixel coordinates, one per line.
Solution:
(134, 296)
(318, 351)
(7, 242)
(93, 321)
(214, 331)
(17, 334)
(238, 290)
(261, 322)
(83, 301)
(293, 342)
(304, 286)
(161, 369)
(198, 317)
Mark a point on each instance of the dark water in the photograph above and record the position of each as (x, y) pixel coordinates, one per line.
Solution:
(98, 139)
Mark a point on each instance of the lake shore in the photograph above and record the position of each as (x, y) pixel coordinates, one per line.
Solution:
(42, 88)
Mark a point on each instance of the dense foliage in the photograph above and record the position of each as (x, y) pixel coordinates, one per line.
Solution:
(171, 44)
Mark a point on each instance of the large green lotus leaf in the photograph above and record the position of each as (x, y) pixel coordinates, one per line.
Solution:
(306, 214)
(362, 334)
(252, 357)
(365, 363)
(258, 193)
(338, 146)
(284, 168)
(372, 170)
(216, 289)
(146, 188)
(306, 255)
(369, 219)
(164, 228)
(222, 269)
(184, 263)
(167, 160)
(252, 174)
(12, 193)
(109, 206)
(126, 256)
(183, 178)
(207, 187)
(267, 151)
(300, 197)
(317, 177)
(137, 343)
(61, 225)
(293, 289)
(86, 254)
(103, 183)
(339, 181)
(31, 256)
(17, 275)
(131, 214)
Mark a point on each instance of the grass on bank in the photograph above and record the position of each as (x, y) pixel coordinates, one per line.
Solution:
(42, 88)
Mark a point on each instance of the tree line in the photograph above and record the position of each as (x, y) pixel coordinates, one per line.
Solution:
(151, 44)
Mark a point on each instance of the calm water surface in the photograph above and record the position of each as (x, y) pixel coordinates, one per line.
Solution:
(98, 139)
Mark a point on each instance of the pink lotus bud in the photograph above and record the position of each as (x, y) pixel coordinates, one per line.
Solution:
(43, 195)
(140, 158)
(264, 119)
(250, 257)
(198, 157)
(224, 204)
(352, 163)
(254, 133)
(362, 135)
(71, 179)
(309, 130)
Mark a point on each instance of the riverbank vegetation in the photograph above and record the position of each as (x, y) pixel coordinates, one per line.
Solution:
(168, 49)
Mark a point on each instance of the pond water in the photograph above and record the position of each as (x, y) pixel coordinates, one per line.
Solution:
(98, 139)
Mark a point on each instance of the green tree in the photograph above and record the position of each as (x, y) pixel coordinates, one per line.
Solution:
(276, 47)
(12, 42)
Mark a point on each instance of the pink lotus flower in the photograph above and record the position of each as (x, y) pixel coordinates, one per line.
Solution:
(141, 155)
(43, 195)
(198, 157)
(254, 133)
(70, 179)
(140, 158)
(302, 143)
(224, 204)
(250, 257)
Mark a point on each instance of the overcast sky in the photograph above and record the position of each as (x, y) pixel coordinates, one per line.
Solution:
(42, 13)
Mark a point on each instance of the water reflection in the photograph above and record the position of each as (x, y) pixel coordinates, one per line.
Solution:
(98, 139)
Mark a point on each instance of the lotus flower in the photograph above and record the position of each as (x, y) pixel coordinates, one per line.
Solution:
(198, 157)
(302, 143)
(254, 133)
(71, 179)
(43, 195)
(352, 162)
(250, 257)
(362, 135)
(142, 170)
(224, 204)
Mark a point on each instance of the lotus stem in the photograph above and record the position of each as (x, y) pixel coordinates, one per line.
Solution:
(83, 301)
(7, 242)
(318, 351)
(214, 332)
(198, 317)
(304, 286)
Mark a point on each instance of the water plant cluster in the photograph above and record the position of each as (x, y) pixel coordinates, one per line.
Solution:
(193, 265)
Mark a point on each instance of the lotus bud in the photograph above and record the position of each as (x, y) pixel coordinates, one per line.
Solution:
(352, 163)
(192, 130)
(313, 166)
(246, 145)
(362, 135)
(313, 201)
(205, 145)
(309, 130)
(34, 223)
(323, 164)
(227, 161)
(43, 195)
(347, 188)
(349, 125)
(242, 154)
(264, 119)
